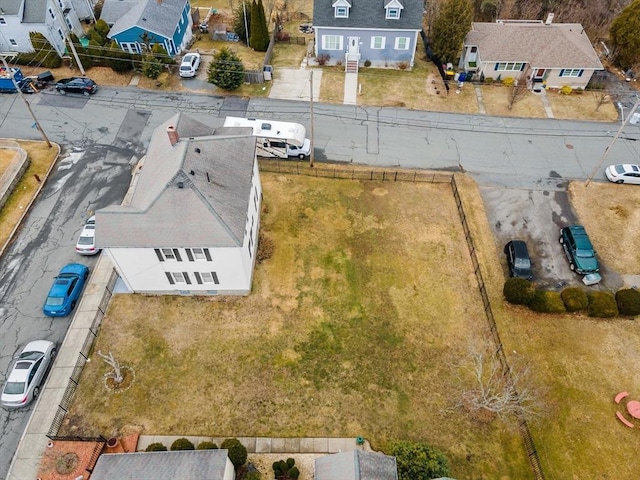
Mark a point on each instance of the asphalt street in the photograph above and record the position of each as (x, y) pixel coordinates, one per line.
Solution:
(104, 135)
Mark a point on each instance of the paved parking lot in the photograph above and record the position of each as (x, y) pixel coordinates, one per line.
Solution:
(536, 217)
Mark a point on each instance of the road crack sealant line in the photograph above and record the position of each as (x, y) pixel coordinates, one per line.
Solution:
(28, 208)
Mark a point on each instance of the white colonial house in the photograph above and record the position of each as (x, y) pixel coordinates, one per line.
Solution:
(189, 223)
(51, 18)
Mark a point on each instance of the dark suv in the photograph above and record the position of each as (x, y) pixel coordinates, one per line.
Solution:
(518, 259)
(580, 252)
(83, 85)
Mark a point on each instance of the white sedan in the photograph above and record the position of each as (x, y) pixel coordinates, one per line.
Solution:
(28, 373)
(623, 173)
(190, 64)
(87, 241)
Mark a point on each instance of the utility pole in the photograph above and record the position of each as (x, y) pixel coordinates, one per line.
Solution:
(24, 99)
(311, 159)
(608, 149)
(67, 36)
(246, 27)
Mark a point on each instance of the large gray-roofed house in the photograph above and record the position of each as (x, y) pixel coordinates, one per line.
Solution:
(113, 10)
(191, 217)
(356, 465)
(385, 32)
(174, 465)
(553, 54)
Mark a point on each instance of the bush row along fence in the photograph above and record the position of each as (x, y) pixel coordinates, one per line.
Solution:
(83, 356)
(523, 427)
(354, 173)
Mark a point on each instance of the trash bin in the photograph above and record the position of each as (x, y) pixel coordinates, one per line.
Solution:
(267, 71)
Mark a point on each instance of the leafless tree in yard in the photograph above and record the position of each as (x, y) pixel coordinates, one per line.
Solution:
(601, 97)
(516, 92)
(116, 375)
(489, 390)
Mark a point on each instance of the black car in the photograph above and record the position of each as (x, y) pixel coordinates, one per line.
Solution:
(83, 85)
(518, 259)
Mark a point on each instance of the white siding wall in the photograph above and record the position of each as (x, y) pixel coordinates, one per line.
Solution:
(252, 227)
(229, 471)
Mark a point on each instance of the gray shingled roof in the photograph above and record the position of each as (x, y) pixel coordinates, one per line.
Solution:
(160, 17)
(35, 11)
(181, 464)
(192, 194)
(356, 465)
(112, 10)
(369, 14)
(9, 7)
(558, 45)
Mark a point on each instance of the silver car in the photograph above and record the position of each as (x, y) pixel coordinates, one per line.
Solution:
(623, 173)
(28, 373)
(87, 242)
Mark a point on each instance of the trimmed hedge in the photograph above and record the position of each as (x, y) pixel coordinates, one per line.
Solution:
(206, 445)
(545, 301)
(628, 301)
(518, 291)
(602, 305)
(182, 444)
(575, 299)
(237, 452)
(155, 447)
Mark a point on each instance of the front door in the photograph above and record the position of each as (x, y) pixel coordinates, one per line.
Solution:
(539, 75)
(353, 45)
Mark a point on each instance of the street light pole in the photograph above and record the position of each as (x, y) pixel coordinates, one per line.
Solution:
(311, 156)
(18, 89)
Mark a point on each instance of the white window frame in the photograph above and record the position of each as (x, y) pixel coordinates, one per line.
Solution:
(53, 15)
(13, 42)
(326, 39)
(207, 277)
(178, 277)
(167, 254)
(406, 45)
(383, 41)
(61, 33)
(393, 13)
(509, 66)
(571, 72)
(198, 253)
(341, 11)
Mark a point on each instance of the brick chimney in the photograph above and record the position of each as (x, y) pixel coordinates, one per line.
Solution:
(173, 135)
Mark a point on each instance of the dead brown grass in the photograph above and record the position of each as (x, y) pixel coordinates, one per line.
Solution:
(581, 107)
(332, 85)
(495, 98)
(41, 158)
(611, 215)
(100, 75)
(6, 157)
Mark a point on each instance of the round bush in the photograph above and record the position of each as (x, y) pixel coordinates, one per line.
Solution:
(419, 460)
(602, 305)
(155, 447)
(182, 444)
(518, 291)
(545, 301)
(628, 300)
(237, 452)
(206, 445)
(575, 299)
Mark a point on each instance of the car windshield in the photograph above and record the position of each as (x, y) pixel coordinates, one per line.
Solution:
(30, 355)
(85, 241)
(584, 253)
(620, 169)
(522, 263)
(14, 388)
(55, 301)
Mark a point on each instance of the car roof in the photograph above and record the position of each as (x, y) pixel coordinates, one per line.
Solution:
(520, 247)
(581, 237)
(20, 371)
(59, 287)
(629, 167)
(89, 230)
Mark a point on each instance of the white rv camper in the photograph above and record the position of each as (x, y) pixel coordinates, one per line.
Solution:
(275, 139)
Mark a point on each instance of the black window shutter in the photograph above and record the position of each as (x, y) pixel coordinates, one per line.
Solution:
(215, 278)
(186, 277)
(562, 72)
(169, 277)
(581, 72)
(495, 68)
(198, 278)
(159, 254)
(522, 67)
(189, 254)
(207, 254)
(176, 252)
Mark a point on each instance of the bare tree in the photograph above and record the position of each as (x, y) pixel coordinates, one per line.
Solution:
(516, 92)
(601, 97)
(492, 390)
(116, 375)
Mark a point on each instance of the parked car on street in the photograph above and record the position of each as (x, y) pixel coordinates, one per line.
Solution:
(518, 259)
(578, 248)
(87, 241)
(190, 64)
(65, 291)
(623, 173)
(82, 85)
(27, 374)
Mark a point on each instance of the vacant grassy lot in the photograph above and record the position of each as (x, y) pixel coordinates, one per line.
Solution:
(357, 326)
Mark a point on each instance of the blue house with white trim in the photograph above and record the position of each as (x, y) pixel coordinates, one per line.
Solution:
(167, 22)
(384, 32)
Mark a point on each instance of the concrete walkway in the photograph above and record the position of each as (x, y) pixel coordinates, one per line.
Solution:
(33, 443)
(350, 89)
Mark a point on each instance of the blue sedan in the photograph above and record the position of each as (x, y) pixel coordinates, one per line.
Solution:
(66, 290)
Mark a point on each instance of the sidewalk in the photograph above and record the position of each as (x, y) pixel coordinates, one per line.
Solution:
(33, 443)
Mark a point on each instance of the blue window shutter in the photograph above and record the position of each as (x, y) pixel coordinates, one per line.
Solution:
(562, 72)
(581, 72)
(495, 67)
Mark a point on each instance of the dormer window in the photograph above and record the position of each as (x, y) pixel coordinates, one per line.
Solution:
(393, 9)
(341, 9)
